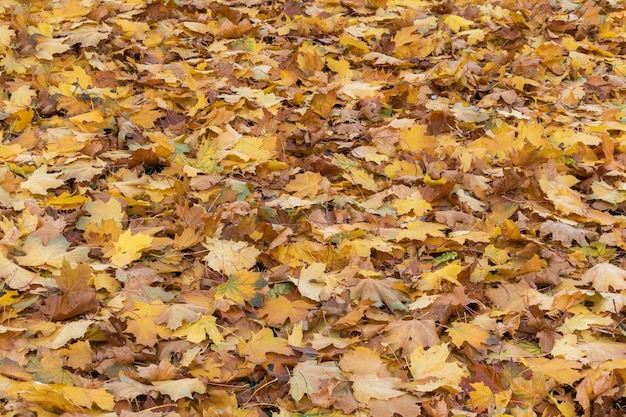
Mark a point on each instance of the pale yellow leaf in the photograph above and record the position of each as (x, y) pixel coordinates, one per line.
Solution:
(431, 369)
(128, 248)
(367, 387)
(67, 332)
(39, 182)
(229, 256)
(180, 388)
(605, 276)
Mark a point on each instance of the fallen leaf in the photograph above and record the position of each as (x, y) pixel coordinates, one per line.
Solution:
(309, 377)
(39, 182)
(180, 388)
(262, 343)
(432, 370)
(241, 287)
(605, 276)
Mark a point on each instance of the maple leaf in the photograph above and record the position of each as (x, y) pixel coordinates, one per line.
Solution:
(408, 334)
(310, 283)
(367, 387)
(77, 298)
(142, 323)
(405, 405)
(563, 371)
(198, 331)
(306, 185)
(418, 206)
(17, 277)
(386, 291)
(128, 248)
(481, 398)
(67, 332)
(230, 257)
(584, 321)
(79, 355)
(99, 211)
(53, 254)
(66, 397)
(432, 280)
(562, 196)
(418, 230)
(180, 388)
(174, 315)
(162, 371)
(278, 310)
(370, 378)
(126, 388)
(353, 317)
(605, 276)
(456, 23)
(431, 370)
(308, 377)
(39, 182)
(565, 233)
(241, 287)
(262, 343)
(470, 333)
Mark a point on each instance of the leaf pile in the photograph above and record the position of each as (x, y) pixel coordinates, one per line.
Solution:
(355, 207)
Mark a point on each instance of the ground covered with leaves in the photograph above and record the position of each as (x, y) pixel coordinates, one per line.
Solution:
(337, 208)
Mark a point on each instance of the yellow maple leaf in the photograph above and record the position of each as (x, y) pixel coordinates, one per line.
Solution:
(563, 197)
(415, 139)
(470, 333)
(141, 322)
(308, 377)
(180, 388)
(431, 369)
(279, 309)
(21, 99)
(418, 206)
(605, 276)
(457, 23)
(87, 397)
(310, 58)
(64, 397)
(100, 211)
(39, 182)
(481, 399)
(341, 67)
(79, 354)
(66, 201)
(53, 254)
(6, 33)
(310, 282)
(17, 277)
(48, 47)
(262, 343)
(584, 321)
(371, 386)
(228, 256)
(242, 286)
(419, 230)
(563, 371)
(432, 280)
(67, 332)
(128, 248)
(307, 184)
(198, 331)
(361, 177)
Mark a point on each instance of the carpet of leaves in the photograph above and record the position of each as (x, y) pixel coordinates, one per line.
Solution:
(354, 207)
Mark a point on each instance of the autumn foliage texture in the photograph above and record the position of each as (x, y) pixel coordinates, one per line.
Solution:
(345, 208)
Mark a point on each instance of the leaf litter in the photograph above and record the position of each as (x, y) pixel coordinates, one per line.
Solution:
(251, 208)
